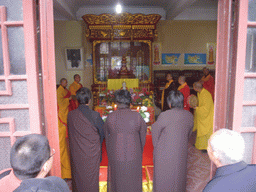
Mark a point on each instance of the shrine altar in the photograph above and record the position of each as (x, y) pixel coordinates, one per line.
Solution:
(105, 110)
(114, 84)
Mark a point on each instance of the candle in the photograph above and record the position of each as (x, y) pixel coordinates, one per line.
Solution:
(115, 107)
(138, 109)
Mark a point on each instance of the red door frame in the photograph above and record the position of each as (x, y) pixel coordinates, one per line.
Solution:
(239, 103)
(49, 79)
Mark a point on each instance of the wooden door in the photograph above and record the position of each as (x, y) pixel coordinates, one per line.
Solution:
(27, 105)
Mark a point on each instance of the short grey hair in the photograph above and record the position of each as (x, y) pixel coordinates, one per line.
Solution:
(228, 146)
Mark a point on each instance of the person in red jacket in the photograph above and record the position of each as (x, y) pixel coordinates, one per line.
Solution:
(185, 90)
(208, 82)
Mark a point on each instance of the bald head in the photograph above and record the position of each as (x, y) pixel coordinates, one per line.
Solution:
(205, 71)
(197, 86)
(182, 79)
(64, 82)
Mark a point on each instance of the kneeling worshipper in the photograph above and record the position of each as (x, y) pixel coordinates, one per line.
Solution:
(125, 134)
(170, 85)
(170, 135)
(63, 98)
(85, 130)
(73, 89)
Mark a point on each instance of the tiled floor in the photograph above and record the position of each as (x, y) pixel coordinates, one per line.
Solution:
(198, 165)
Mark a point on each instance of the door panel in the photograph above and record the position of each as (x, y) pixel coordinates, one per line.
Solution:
(19, 88)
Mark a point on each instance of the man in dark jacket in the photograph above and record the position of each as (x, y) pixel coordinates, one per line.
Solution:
(226, 150)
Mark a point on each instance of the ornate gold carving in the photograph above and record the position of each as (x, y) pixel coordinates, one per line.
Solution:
(143, 27)
(123, 18)
(121, 26)
(143, 33)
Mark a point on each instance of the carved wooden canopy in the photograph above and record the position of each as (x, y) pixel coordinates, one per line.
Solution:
(124, 26)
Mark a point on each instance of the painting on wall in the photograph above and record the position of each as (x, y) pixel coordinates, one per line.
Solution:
(156, 48)
(170, 58)
(211, 53)
(195, 59)
(74, 59)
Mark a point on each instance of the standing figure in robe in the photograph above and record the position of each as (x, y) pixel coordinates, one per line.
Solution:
(125, 133)
(85, 130)
(203, 116)
(170, 85)
(63, 98)
(185, 90)
(170, 135)
(73, 89)
(208, 82)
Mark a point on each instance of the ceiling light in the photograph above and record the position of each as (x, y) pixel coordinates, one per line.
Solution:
(118, 8)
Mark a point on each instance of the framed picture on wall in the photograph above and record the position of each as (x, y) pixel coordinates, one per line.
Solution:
(211, 53)
(74, 59)
(156, 50)
(195, 59)
(170, 58)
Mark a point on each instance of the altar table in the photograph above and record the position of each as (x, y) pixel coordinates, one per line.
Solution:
(104, 112)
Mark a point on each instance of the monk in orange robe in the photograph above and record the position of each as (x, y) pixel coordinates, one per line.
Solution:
(208, 82)
(170, 85)
(63, 97)
(73, 89)
(185, 90)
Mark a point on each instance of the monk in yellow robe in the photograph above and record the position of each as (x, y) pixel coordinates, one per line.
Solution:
(203, 116)
(63, 97)
(73, 89)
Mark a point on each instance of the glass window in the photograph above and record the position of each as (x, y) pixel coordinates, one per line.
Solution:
(1, 55)
(14, 9)
(2, 86)
(249, 89)
(21, 118)
(17, 50)
(248, 116)
(252, 10)
(19, 93)
(5, 149)
(250, 65)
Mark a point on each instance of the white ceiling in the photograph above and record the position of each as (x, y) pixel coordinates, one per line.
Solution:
(169, 9)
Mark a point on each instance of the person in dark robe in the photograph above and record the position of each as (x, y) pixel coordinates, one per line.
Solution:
(170, 135)
(170, 85)
(125, 134)
(85, 129)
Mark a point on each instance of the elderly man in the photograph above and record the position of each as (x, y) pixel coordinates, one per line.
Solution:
(226, 151)
(63, 98)
(73, 89)
(203, 117)
(208, 81)
(85, 130)
(31, 160)
(185, 90)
